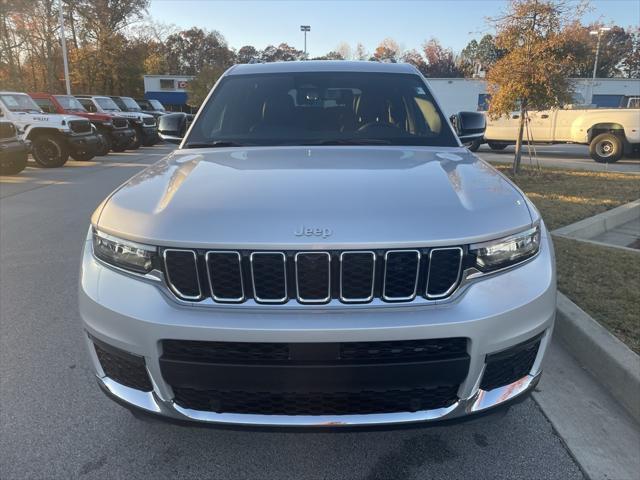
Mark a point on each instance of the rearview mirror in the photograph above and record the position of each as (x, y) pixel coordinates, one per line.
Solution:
(172, 127)
(469, 126)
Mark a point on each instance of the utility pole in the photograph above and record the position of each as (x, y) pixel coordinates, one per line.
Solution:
(599, 33)
(63, 41)
(305, 29)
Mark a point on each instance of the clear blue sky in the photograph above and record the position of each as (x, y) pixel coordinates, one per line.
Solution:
(410, 23)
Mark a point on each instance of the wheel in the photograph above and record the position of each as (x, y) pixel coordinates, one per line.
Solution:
(119, 148)
(104, 145)
(606, 148)
(83, 156)
(14, 166)
(135, 140)
(49, 151)
(497, 146)
(475, 145)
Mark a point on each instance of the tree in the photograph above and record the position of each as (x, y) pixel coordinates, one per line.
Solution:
(332, 55)
(201, 85)
(281, 53)
(387, 51)
(344, 50)
(361, 52)
(248, 54)
(188, 52)
(630, 65)
(414, 58)
(533, 73)
(440, 61)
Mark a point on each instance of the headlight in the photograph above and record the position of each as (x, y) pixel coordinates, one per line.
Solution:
(123, 253)
(506, 251)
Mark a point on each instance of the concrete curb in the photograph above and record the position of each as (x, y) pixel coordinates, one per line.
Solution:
(600, 223)
(609, 360)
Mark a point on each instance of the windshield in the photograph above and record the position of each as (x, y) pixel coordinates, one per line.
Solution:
(131, 104)
(69, 103)
(19, 102)
(157, 105)
(322, 108)
(107, 104)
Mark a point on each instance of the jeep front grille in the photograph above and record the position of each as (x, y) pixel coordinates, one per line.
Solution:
(149, 121)
(120, 122)
(313, 277)
(80, 126)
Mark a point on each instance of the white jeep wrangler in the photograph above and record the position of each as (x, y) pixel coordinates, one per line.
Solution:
(54, 137)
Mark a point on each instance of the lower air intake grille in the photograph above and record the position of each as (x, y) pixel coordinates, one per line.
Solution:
(510, 365)
(191, 350)
(314, 403)
(404, 349)
(122, 367)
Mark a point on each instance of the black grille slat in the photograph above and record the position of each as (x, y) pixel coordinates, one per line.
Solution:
(313, 276)
(149, 121)
(182, 273)
(506, 367)
(124, 368)
(317, 403)
(225, 276)
(268, 271)
(401, 274)
(444, 271)
(357, 276)
(402, 350)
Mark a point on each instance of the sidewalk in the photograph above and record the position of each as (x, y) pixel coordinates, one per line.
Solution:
(625, 235)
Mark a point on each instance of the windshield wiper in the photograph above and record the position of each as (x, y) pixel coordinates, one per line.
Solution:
(353, 141)
(216, 144)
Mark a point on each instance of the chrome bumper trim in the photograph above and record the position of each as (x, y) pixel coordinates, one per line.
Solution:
(480, 401)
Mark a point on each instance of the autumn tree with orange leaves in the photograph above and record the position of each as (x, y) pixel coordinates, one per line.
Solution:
(534, 72)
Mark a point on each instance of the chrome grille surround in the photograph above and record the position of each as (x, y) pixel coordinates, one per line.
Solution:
(346, 299)
(455, 284)
(300, 298)
(170, 283)
(385, 282)
(211, 277)
(252, 260)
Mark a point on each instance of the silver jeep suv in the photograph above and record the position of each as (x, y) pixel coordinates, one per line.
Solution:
(320, 250)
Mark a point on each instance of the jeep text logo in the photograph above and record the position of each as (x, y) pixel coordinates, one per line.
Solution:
(303, 231)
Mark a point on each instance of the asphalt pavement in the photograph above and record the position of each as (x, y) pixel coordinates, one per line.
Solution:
(562, 155)
(56, 424)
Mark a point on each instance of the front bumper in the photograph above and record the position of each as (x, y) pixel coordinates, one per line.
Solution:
(121, 137)
(494, 314)
(12, 149)
(83, 143)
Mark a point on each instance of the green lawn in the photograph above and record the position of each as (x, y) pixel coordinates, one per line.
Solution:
(605, 282)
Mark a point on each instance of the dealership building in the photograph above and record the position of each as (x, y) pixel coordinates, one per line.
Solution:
(170, 90)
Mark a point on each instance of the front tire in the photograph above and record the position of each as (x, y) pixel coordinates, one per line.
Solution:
(83, 156)
(14, 165)
(136, 140)
(104, 145)
(49, 151)
(475, 145)
(497, 146)
(606, 148)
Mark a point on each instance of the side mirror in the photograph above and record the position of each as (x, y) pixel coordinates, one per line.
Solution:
(172, 127)
(469, 126)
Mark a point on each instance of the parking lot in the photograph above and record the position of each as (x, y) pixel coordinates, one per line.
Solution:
(57, 424)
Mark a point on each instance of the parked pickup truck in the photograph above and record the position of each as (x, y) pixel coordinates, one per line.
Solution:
(13, 151)
(610, 133)
(113, 131)
(54, 137)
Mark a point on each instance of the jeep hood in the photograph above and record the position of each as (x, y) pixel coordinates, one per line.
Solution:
(339, 197)
(53, 118)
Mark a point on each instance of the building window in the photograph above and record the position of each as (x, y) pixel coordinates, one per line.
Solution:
(167, 84)
(607, 101)
(483, 102)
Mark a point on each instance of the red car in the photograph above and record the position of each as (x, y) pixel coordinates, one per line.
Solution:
(114, 131)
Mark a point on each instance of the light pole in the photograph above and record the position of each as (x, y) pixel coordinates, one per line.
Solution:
(599, 34)
(63, 41)
(305, 29)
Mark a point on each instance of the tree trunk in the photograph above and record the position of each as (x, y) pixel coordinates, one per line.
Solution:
(518, 155)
